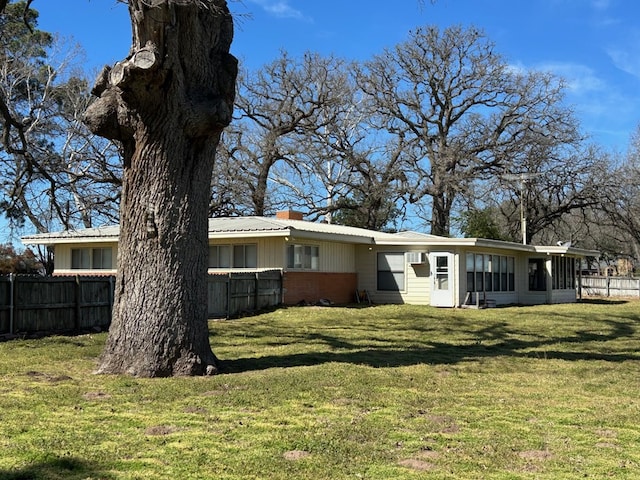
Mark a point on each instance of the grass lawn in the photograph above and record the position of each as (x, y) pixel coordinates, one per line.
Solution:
(385, 392)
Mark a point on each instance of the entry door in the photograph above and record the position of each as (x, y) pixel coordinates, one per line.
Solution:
(442, 279)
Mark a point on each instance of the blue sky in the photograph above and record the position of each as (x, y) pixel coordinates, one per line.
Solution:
(593, 44)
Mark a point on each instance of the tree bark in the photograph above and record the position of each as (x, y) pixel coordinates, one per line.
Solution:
(167, 104)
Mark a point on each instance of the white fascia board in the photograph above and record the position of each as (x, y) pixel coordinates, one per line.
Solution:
(563, 250)
(329, 237)
(52, 241)
(249, 234)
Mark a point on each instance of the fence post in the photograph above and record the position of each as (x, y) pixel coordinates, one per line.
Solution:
(257, 292)
(78, 297)
(112, 292)
(608, 286)
(12, 278)
(228, 283)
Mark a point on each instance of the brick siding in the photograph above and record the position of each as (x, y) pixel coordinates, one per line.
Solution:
(312, 286)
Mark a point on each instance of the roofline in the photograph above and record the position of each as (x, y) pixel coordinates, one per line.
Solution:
(291, 233)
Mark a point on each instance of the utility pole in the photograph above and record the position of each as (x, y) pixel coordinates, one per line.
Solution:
(523, 178)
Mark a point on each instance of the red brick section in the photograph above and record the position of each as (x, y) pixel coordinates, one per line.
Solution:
(289, 215)
(312, 286)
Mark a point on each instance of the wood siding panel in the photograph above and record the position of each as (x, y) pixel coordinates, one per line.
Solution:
(62, 255)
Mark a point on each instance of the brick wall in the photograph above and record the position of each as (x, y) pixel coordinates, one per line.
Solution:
(312, 286)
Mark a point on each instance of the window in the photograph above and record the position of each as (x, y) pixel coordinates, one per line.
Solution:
(233, 256)
(245, 256)
(303, 256)
(92, 258)
(537, 275)
(490, 273)
(563, 273)
(391, 271)
(219, 256)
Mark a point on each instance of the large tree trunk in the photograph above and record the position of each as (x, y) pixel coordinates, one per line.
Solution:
(167, 103)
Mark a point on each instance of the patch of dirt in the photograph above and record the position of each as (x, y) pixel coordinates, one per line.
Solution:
(443, 423)
(536, 455)
(96, 396)
(200, 410)
(415, 464)
(296, 455)
(160, 430)
(606, 445)
(606, 433)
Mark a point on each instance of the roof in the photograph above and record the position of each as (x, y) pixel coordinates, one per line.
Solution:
(254, 226)
(242, 227)
(108, 233)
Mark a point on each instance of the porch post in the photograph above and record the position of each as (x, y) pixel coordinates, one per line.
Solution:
(549, 271)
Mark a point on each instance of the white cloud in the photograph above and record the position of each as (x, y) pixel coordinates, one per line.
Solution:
(625, 61)
(280, 9)
(580, 79)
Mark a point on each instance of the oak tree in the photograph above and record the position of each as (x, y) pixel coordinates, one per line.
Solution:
(464, 111)
(166, 104)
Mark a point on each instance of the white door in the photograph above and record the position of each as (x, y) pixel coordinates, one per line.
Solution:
(442, 279)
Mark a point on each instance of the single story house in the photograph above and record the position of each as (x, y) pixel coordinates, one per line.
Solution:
(333, 262)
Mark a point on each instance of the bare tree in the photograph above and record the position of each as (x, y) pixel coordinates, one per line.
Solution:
(463, 110)
(276, 106)
(621, 202)
(167, 104)
(53, 172)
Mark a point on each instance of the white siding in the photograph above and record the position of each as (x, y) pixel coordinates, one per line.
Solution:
(416, 286)
(62, 262)
(333, 257)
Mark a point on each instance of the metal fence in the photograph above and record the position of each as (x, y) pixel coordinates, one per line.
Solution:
(610, 286)
(32, 303)
(35, 304)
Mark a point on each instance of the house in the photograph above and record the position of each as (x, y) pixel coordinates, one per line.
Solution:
(323, 261)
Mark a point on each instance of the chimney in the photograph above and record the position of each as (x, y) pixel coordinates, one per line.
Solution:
(289, 215)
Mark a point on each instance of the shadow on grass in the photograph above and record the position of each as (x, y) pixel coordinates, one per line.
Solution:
(603, 301)
(492, 341)
(57, 468)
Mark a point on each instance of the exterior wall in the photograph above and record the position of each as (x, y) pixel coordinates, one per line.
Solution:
(333, 256)
(62, 255)
(311, 286)
(416, 277)
(500, 298)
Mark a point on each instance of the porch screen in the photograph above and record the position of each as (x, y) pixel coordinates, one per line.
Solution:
(563, 273)
(391, 271)
(490, 273)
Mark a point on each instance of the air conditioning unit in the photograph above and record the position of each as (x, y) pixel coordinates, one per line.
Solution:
(416, 258)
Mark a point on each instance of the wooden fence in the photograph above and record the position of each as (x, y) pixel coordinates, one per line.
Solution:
(35, 304)
(32, 303)
(610, 286)
(234, 293)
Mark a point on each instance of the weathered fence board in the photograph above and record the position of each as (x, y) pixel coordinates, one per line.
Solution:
(31, 304)
(610, 286)
(233, 293)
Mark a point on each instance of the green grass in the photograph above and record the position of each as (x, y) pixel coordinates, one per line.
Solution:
(387, 392)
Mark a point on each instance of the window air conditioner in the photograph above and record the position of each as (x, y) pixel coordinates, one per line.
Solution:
(416, 258)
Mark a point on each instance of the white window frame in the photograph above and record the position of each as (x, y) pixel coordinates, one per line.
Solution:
(303, 256)
(92, 258)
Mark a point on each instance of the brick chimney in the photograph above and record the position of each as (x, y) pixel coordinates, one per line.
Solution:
(289, 215)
